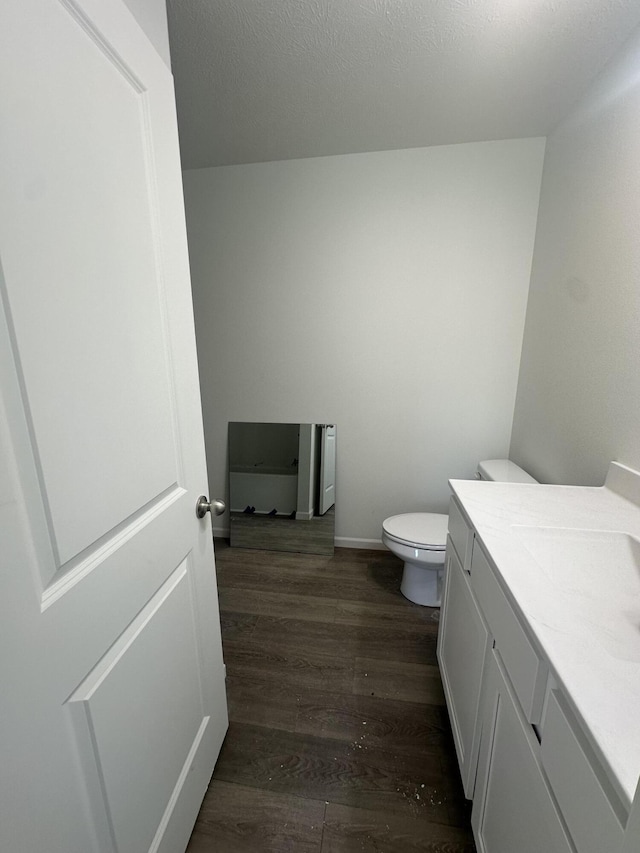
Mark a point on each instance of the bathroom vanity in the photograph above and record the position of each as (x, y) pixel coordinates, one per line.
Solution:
(539, 650)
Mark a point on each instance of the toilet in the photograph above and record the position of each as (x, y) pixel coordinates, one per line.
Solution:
(420, 538)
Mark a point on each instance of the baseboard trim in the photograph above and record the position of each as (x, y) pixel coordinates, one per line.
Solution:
(364, 544)
(220, 532)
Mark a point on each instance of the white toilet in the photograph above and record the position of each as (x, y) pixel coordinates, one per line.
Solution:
(420, 538)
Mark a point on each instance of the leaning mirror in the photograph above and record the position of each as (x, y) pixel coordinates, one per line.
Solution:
(282, 486)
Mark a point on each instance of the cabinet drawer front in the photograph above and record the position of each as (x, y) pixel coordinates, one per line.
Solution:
(587, 810)
(526, 671)
(460, 534)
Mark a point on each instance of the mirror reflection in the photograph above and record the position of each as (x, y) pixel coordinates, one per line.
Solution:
(282, 486)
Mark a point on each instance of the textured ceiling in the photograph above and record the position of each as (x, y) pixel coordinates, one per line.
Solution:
(264, 80)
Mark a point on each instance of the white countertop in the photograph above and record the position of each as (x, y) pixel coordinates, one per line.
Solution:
(570, 614)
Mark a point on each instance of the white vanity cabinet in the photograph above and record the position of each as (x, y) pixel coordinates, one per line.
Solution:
(535, 783)
(513, 808)
(463, 642)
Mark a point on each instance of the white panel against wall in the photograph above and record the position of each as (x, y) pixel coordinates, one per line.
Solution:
(166, 715)
(403, 275)
(83, 351)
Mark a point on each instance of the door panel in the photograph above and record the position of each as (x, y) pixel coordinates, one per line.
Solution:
(86, 308)
(145, 693)
(113, 705)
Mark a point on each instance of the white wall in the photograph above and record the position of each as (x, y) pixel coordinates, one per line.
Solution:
(382, 292)
(152, 17)
(578, 403)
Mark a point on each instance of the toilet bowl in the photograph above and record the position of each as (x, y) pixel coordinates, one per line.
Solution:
(420, 538)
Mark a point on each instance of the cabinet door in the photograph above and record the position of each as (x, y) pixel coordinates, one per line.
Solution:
(463, 640)
(513, 809)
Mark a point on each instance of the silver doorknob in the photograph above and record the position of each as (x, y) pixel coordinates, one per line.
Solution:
(204, 505)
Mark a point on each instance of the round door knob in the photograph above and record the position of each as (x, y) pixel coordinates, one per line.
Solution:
(204, 505)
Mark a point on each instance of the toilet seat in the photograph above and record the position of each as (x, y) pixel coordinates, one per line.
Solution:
(426, 531)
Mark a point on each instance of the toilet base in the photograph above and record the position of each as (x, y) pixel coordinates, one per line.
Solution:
(422, 584)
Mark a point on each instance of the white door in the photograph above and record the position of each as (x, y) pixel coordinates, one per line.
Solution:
(327, 468)
(112, 700)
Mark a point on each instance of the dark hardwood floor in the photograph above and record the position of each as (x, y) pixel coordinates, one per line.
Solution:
(283, 534)
(339, 738)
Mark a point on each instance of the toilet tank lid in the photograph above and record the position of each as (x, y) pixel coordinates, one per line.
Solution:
(503, 471)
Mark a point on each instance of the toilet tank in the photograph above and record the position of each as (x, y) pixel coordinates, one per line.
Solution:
(502, 471)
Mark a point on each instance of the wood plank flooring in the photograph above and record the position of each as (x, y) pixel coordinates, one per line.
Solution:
(313, 536)
(339, 738)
